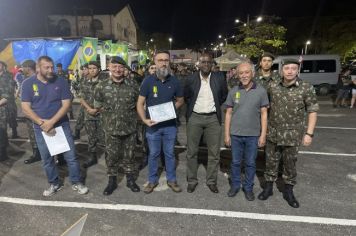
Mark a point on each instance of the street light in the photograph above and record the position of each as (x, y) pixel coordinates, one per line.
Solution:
(219, 36)
(259, 19)
(306, 46)
(170, 43)
(237, 20)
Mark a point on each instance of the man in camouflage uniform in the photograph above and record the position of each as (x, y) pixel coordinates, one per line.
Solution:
(29, 70)
(92, 121)
(116, 99)
(76, 85)
(290, 99)
(234, 80)
(11, 107)
(264, 75)
(3, 123)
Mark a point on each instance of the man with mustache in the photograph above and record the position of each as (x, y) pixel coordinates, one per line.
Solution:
(158, 89)
(46, 100)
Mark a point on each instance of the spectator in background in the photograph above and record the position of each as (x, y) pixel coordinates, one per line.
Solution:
(344, 92)
(353, 89)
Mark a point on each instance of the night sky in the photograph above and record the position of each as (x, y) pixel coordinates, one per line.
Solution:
(188, 21)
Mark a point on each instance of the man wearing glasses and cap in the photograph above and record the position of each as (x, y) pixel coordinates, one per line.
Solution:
(115, 98)
(290, 99)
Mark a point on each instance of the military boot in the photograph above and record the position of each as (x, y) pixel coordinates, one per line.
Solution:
(288, 195)
(131, 183)
(76, 135)
(267, 191)
(14, 133)
(92, 160)
(112, 185)
(35, 156)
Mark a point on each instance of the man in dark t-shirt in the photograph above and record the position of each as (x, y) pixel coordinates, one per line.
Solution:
(45, 99)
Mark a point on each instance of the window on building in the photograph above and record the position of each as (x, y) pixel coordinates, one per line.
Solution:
(97, 25)
(63, 28)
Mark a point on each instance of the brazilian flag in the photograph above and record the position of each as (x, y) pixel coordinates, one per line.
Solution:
(106, 47)
(142, 57)
(121, 50)
(89, 47)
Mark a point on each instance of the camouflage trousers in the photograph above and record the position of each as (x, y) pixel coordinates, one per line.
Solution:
(31, 133)
(11, 114)
(120, 154)
(95, 134)
(80, 120)
(274, 153)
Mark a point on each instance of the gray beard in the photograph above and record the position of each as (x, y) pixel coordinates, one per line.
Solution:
(162, 72)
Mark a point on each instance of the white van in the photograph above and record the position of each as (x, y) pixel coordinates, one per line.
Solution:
(322, 71)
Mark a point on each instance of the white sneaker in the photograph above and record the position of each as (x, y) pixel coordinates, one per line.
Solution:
(52, 190)
(80, 188)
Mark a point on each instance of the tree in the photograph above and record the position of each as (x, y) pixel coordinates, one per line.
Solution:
(257, 37)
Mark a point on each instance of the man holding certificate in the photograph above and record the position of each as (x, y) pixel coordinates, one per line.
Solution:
(46, 100)
(161, 94)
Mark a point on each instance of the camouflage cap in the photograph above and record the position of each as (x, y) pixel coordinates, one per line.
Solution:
(288, 61)
(267, 54)
(118, 60)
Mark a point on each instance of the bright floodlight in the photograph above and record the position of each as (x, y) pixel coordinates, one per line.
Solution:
(308, 42)
(170, 39)
(259, 19)
(237, 21)
(219, 36)
(221, 44)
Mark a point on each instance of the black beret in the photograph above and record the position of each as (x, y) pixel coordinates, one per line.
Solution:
(288, 61)
(267, 54)
(117, 60)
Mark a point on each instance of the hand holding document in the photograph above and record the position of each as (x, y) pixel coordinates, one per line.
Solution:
(56, 142)
(162, 112)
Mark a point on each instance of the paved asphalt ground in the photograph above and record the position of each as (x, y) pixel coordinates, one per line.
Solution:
(326, 191)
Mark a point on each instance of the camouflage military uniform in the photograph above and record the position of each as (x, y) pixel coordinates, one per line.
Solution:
(118, 101)
(79, 124)
(92, 123)
(11, 107)
(232, 82)
(288, 105)
(265, 81)
(3, 122)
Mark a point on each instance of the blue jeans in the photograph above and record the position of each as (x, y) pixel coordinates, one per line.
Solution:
(155, 138)
(48, 161)
(243, 147)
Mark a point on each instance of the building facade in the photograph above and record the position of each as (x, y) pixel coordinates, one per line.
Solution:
(121, 26)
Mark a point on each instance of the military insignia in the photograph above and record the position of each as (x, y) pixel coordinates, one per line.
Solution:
(155, 91)
(237, 97)
(35, 90)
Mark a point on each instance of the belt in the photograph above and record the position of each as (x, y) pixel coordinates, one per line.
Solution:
(205, 114)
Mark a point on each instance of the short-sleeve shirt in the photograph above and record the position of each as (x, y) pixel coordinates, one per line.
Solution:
(157, 92)
(246, 109)
(46, 98)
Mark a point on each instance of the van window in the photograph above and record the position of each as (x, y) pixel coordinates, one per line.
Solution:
(325, 66)
(307, 67)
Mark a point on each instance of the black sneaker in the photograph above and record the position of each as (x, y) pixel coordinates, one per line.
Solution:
(250, 196)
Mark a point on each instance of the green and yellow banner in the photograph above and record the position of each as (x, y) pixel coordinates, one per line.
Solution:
(106, 46)
(142, 57)
(89, 47)
(121, 50)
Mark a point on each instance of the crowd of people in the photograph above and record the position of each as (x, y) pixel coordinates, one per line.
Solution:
(262, 110)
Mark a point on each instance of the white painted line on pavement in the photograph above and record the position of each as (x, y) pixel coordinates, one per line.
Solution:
(330, 127)
(184, 211)
(352, 177)
(328, 154)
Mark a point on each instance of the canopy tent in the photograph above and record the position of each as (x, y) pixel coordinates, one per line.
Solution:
(228, 60)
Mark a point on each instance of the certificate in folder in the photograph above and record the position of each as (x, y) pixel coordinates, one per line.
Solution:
(58, 143)
(162, 112)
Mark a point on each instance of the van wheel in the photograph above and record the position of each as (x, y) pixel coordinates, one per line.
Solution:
(324, 89)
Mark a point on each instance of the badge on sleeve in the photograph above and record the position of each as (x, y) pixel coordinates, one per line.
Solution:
(35, 90)
(155, 91)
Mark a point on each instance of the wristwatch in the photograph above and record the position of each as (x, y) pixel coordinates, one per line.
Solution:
(310, 135)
